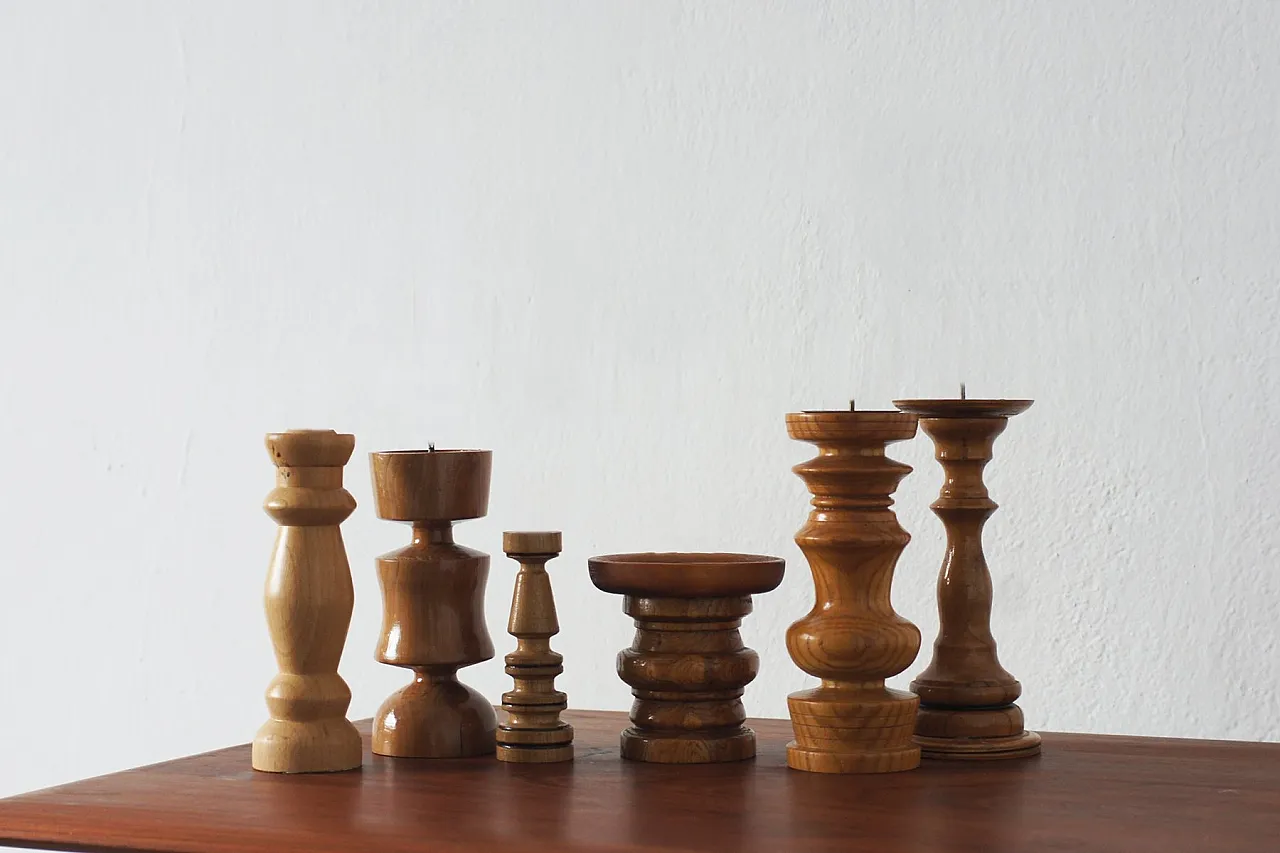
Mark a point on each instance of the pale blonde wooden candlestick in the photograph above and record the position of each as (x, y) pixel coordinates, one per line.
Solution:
(308, 602)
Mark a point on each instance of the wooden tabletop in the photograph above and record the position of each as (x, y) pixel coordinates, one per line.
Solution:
(1084, 793)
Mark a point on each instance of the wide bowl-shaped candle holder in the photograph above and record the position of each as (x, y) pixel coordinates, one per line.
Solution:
(967, 709)
(433, 604)
(852, 639)
(687, 666)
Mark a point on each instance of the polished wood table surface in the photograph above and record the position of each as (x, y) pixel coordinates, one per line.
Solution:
(1084, 793)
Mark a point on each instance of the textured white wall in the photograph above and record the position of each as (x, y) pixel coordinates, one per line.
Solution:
(616, 243)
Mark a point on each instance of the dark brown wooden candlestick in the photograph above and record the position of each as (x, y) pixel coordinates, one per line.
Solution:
(687, 667)
(967, 708)
(433, 604)
(533, 732)
(852, 639)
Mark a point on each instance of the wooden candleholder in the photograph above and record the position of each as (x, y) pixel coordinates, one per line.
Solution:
(308, 602)
(852, 639)
(967, 708)
(687, 666)
(533, 732)
(433, 604)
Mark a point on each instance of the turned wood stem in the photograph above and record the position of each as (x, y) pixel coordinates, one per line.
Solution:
(687, 668)
(965, 671)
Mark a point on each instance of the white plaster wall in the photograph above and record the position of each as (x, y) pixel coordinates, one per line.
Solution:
(616, 243)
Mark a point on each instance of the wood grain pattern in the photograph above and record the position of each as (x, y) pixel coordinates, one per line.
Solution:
(1086, 794)
(533, 732)
(308, 602)
(687, 666)
(852, 639)
(967, 708)
(433, 604)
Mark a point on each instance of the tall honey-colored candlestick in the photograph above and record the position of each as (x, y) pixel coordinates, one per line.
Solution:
(852, 639)
(308, 602)
(433, 604)
(967, 708)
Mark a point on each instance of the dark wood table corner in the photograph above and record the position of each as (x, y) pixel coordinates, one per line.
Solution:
(1084, 793)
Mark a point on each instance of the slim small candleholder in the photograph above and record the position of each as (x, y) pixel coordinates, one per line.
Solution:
(533, 732)
(852, 639)
(433, 604)
(967, 708)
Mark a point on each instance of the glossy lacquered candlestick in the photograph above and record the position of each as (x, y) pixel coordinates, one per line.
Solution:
(433, 604)
(687, 667)
(967, 708)
(852, 639)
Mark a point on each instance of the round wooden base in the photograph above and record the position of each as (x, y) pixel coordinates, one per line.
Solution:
(534, 754)
(534, 746)
(435, 718)
(853, 729)
(317, 746)
(878, 761)
(1023, 745)
(688, 748)
(977, 734)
